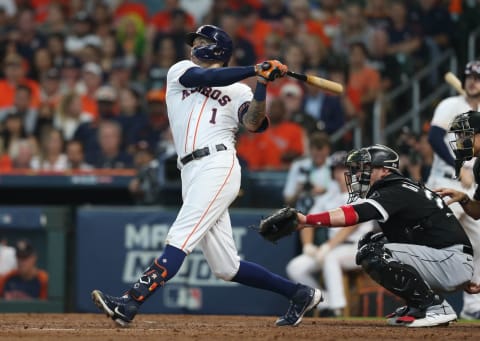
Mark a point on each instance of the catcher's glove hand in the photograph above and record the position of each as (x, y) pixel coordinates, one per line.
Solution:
(270, 70)
(279, 224)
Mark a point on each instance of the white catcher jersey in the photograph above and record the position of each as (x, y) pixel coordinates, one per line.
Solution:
(204, 116)
(444, 114)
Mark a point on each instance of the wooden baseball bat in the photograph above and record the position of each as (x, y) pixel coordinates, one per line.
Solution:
(319, 82)
(454, 82)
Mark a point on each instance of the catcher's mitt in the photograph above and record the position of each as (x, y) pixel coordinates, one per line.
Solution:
(279, 224)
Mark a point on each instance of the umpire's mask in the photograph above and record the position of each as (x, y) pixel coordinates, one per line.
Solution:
(461, 135)
(357, 177)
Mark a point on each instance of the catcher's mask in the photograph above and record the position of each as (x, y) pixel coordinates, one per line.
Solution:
(462, 132)
(360, 164)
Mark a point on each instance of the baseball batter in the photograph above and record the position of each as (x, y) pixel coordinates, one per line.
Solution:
(205, 106)
(442, 174)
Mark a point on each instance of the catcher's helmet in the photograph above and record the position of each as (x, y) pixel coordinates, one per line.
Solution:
(221, 48)
(360, 163)
(462, 132)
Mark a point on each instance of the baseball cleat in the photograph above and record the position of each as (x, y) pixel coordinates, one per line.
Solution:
(467, 315)
(304, 299)
(122, 310)
(433, 319)
(403, 315)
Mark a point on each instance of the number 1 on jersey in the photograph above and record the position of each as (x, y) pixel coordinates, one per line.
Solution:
(214, 115)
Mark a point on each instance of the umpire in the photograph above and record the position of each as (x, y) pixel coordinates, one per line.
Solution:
(422, 250)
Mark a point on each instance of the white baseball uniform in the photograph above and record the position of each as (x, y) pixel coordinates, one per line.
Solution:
(199, 118)
(441, 175)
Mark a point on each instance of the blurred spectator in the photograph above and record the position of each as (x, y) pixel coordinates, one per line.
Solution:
(131, 36)
(306, 24)
(145, 186)
(22, 153)
(50, 156)
(103, 18)
(42, 62)
(13, 132)
(15, 74)
(156, 130)
(330, 15)
(404, 42)
(325, 109)
(111, 52)
(198, 9)
(8, 261)
(55, 21)
(110, 153)
(218, 8)
(81, 34)
(162, 20)
(76, 156)
(254, 29)
(132, 118)
(70, 73)
(29, 38)
(50, 91)
(350, 98)
(243, 50)
(354, 29)
(27, 281)
(377, 13)
(317, 55)
(386, 64)
(70, 115)
(164, 57)
(276, 148)
(273, 11)
(22, 107)
(294, 57)
(56, 48)
(310, 177)
(365, 79)
(45, 119)
(91, 82)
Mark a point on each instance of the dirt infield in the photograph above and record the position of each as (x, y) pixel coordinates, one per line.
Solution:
(201, 327)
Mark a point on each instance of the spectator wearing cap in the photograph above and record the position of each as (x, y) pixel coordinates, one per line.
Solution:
(14, 68)
(156, 133)
(70, 115)
(71, 71)
(82, 34)
(91, 81)
(292, 95)
(110, 153)
(132, 118)
(27, 282)
(120, 76)
(145, 186)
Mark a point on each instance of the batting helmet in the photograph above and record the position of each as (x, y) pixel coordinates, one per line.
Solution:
(472, 68)
(360, 163)
(221, 48)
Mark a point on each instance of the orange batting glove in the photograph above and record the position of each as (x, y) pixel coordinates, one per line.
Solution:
(270, 70)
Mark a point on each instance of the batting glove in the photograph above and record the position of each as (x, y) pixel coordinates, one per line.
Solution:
(270, 70)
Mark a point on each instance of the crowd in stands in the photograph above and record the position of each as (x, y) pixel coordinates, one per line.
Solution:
(82, 83)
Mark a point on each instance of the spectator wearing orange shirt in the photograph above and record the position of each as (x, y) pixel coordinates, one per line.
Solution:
(15, 74)
(300, 10)
(27, 281)
(254, 29)
(277, 148)
(365, 79)
(162, 20)
(92, 80)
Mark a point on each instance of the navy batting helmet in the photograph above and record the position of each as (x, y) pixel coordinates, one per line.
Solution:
(472, 68)
(221, 48)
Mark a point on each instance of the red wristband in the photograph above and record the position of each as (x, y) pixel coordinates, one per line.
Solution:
(350, 215)
(319, 219)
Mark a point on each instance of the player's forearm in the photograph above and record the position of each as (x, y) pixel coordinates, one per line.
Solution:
(436, 139)
(197, 76)
(339, 217)
(471, 207)
(255, 115)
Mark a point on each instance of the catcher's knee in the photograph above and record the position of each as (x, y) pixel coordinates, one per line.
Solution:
(401, 279)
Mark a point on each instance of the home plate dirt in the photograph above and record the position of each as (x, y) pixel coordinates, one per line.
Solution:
(62, 327)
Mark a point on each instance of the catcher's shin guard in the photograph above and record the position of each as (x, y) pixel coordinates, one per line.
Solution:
(401, 279)
(151, 279)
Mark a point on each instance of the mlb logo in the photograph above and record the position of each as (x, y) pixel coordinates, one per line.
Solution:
(182, 297)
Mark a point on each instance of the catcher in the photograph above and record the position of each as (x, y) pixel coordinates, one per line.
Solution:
(421, 240)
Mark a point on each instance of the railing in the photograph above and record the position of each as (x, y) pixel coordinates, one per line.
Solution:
(419, 101)
(352, 125)
(472, 43)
